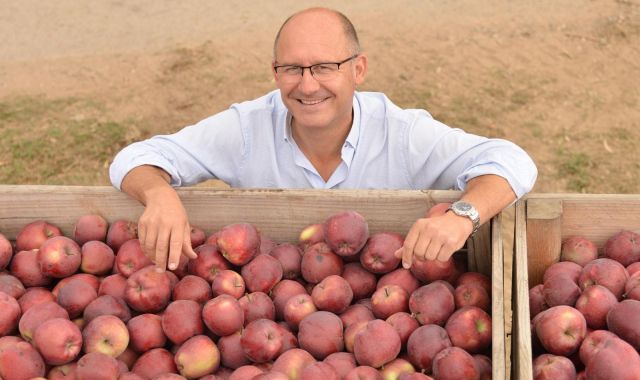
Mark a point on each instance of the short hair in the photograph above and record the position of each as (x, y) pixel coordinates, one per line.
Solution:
(347, 26)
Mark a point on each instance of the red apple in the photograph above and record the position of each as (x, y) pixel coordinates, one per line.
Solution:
(113, 285)
(567, 268)
(58, 340)
(198, 236)
(97, 258)
(107, 305)
(145, 332)
(624, 247)
(282, 292)
(432, 303)
(228, 282)
(622, 320)
(97, 366)
(239, 243)
(388, 300)
(432, 270)
(363, 372)
(454, 363)
(75, 296)
(208, 263)
(594, 303)
(257, 305)
(26, 268)
(147, 290)
(197, 356)
(332, 294)
(6, 252)
(261, 340)
(342, 362)
(404, 324)
(401, 277)
(34, 296)
(119, 232)
(321, 334)
(231, 353)
(106, 334)
(192, 288)
(223, 315)
(355, 313)
(292, 362)
(318, 262)
(424, 344)
(11, 285)
(310, 235)
(361, 281)
(154, 362)
(397, 367)
(319, 371)
(36, 315)
(90, 227)
(378, 254)
(59, 257)
(615, 360)
(261, 273)
(346, 232)
(181, 320)
(34, 234)
(470, 328)
(553, 367)
(10, 315)
(131, 258)
(20, 361)
(561, 329)
(606, 272)
(290, 258)
(377, 344)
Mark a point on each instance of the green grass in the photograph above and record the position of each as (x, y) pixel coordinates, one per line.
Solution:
(40, 144)
(576, 167)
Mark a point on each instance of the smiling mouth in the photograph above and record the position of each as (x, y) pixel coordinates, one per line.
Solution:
(311, 102)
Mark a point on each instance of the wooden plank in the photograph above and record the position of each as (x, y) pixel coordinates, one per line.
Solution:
(521, 366)
(544, 240)
(280, 214)
(497, 301)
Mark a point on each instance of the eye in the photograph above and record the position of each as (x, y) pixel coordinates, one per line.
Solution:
(324, 68)
(290, 70)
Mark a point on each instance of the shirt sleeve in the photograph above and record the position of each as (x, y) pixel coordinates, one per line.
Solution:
(452, 157)
(212, 148)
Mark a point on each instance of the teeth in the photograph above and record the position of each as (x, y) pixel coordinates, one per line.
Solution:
(310, 102)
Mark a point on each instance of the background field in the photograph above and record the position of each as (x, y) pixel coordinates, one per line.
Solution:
(80, 79)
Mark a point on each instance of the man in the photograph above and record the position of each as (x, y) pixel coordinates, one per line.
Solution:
(316, 131)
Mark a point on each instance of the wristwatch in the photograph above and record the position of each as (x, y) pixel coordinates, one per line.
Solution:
(463, 208)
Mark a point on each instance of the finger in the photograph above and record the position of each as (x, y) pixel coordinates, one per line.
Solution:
(431, 253)
(420, 249)
(407, 248)
(149, 243)
(187, 249)
(162, 247)
(175, 248)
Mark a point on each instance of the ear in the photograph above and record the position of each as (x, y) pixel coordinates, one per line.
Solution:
(273, 71)
(360, 65)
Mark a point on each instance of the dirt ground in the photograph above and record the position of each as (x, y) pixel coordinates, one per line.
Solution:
(561, 79)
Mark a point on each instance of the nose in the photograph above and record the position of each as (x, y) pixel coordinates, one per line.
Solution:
(308, 84)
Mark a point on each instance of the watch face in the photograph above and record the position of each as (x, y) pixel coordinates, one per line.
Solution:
(463, 206)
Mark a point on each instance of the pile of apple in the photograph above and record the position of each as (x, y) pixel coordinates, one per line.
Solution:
(586, 313)
(337, 304)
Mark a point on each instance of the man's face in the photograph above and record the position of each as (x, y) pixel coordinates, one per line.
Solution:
(306, 40)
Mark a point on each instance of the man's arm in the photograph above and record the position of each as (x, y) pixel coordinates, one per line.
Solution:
(163, 228)
(438, 237)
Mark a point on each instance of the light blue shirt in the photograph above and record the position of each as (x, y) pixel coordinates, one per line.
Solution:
(250, 146)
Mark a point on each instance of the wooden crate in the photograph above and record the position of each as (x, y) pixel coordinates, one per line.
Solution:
(543, 222)
(280, 214)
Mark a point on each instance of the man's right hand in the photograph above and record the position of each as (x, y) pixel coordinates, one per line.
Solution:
(163, 227)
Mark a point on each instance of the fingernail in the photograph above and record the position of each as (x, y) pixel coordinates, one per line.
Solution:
(406, 265)
(173, 266)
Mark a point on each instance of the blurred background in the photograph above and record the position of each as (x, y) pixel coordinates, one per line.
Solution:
(81, 79)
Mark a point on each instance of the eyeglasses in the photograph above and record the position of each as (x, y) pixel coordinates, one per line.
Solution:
(324, 71)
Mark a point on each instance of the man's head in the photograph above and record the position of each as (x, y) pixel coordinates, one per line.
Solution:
(310, 37)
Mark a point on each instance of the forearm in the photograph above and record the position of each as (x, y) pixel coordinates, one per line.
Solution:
(146, 181)
(489, 194)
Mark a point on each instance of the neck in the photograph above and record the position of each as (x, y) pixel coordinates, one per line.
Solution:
(322, 146)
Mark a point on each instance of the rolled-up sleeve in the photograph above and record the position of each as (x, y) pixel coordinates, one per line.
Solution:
(447, 158)
(212, 148)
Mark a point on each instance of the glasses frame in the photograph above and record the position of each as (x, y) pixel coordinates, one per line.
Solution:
(302, 68)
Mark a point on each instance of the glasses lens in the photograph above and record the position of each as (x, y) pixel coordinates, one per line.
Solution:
(324, 71)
